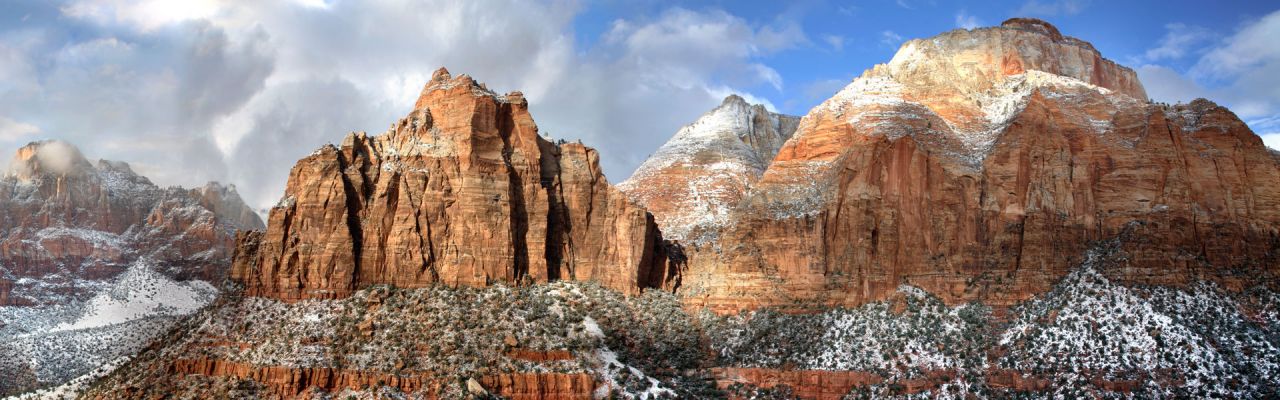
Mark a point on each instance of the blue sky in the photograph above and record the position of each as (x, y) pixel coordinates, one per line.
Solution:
(237, 91)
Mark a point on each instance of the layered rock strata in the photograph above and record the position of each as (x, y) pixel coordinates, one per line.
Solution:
(978, 165)
(296, 382)
(463, 191)
(68, 225)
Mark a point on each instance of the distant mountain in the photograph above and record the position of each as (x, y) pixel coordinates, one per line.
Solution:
(692, 182)
(95, 260)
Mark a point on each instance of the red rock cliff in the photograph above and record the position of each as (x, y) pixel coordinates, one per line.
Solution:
(65, 221)
(979, 165)
(463, 191)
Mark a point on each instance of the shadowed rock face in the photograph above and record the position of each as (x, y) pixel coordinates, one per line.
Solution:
(463, 191)
(67, 225)
(978, 165)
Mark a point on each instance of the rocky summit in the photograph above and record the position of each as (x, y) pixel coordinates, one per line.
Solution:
(463, 191)
(693, 181)
(994, 213)
(979, 165)
(95, 260)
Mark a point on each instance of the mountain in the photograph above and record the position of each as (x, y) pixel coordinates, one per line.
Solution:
(463, 191)
(95, 260)
(691, 183)
(458, 250)
(995, 213)
(980, 165)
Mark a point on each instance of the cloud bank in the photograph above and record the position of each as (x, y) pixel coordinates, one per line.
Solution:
(237, 91)
(1240, 71)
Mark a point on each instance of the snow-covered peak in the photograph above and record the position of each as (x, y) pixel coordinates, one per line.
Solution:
(228, 206)
(736, 130)
(694, 179)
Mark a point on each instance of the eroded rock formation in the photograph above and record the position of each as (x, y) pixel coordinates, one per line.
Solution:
(978, 165)
(463, 191)
(302, 382)
(67, 224)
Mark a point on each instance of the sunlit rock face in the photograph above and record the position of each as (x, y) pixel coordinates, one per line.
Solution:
(692, 183)
(463, 191)
(978, 165)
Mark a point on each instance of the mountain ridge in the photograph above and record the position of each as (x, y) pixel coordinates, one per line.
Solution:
(95, 261)
(691, 181)
(995, 212)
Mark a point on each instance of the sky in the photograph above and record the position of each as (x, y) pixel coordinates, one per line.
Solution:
(237, 91)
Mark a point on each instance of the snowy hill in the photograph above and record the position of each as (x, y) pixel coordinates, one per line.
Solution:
(95, 261)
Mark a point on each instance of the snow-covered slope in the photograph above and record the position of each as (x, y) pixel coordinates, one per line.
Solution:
(691, 182)
(1194, 342)
(95, 260)
(632, 347)
(1087, 337)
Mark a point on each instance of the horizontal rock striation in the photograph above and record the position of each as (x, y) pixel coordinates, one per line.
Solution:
(302, 382)
(979, 165)
(66, 224)
(463, 191)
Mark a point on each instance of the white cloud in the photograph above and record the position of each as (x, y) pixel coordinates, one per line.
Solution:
(1250, 48)
(15, 131)
(240, 90)
(1272, 140)
(835, 41)
(1179, 40)
(781, 36)
(890, 38)
(1240, 71)
(823, 89)
(967, 21)
(144, 15)
(1163, 84)
(1051, 8)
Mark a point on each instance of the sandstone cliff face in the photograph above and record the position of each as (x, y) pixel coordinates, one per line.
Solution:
(303, 382)
(66, 224)
(463, 191)
(979, 165)
(692, 182)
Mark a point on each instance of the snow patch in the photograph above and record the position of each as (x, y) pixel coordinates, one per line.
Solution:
(141, 292)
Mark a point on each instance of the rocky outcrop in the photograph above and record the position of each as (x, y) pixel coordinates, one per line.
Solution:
(979, 165)
(302, 382)
(804, 384)
(66, 224)
(694, 180)
(463, 191)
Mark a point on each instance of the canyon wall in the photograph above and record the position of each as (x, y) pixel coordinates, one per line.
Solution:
(979, 165)
(463, 191)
